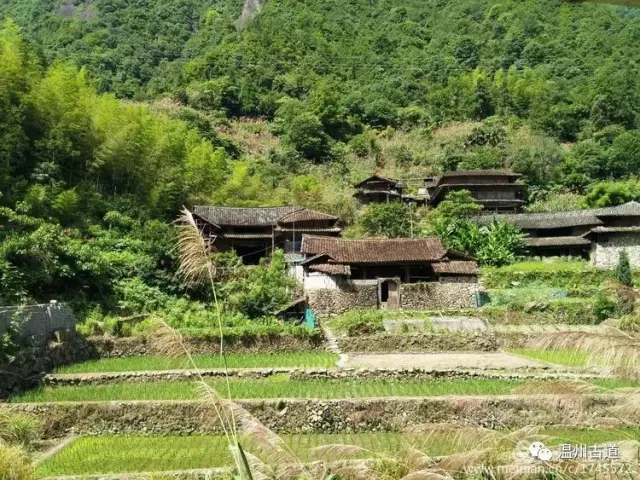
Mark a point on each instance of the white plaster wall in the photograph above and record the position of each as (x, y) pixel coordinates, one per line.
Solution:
(317, 281)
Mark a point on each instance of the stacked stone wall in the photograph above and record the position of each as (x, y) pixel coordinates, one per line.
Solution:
(605, 254)
(320, 416)
(439, 295)
(336, 301)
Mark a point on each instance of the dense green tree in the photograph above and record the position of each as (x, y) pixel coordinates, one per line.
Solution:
(392, 219)
(623, 269)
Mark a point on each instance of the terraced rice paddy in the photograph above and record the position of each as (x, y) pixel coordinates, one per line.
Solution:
(280, 386)
(301, 359)
(102, 455)
(569, 358)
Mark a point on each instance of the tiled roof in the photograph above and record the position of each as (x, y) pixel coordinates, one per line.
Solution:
(612, 230)
(258, 216)
(556, 241)
(295, 303)
(305, 215)
(310, 230)
(629, 209)
(247, 236)
(545, 220)
(572, 218)
(377, 178)
(240, 216)
(456, 267)
(375, 251)
(331, 269)
(480, 173)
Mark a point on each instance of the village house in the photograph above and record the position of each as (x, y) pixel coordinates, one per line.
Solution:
(496, 190)
(599, 234)
(254, 233)
(377, 189)
(341, 274)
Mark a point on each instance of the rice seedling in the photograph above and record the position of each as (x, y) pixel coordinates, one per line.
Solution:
(120, 454)
(300, 359)
(567, 357)
(281, 387)
(608, 347)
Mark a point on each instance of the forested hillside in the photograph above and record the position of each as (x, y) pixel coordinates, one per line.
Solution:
(118, 112)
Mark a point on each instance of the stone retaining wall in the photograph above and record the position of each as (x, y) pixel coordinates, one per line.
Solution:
(39, 356)
(434, 342)
(108, 347)
(350, 374)
(318, 416)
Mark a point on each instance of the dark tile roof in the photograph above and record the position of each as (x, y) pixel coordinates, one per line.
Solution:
(295, 303)
(305, 215)
(598, 230)
(531, 221)
(556, 241)
(258, 216)
(378, 178)
(310, 230)
(240, 216)
(456, 267)
(572, 218)
(375, 251)
(629, 209)
(331, 269)
(480, 173)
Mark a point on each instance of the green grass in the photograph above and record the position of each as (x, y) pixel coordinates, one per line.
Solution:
(567, 357)
(280, 387)
(251, 360)
(119, 454)
(551, 265)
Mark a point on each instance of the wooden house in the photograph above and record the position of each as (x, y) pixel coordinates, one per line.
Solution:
(596, 233)
(254, 233)
(496, 190)
(376, 189)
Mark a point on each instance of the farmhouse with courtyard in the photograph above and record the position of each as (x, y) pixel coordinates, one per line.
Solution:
(340, 274)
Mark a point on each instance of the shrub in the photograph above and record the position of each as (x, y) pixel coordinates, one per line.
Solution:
(391, 220)
(623, 269)
(605, 307)
(359, 322)
(18, 429)
(629, 323)
(15, 464)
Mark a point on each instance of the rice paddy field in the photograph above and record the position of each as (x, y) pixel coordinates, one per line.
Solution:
(569, 358)
(130, 454)
(280, 386)
(302, 359)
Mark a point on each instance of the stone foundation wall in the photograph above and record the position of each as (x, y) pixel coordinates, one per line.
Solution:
(336, 301)
(451, 294)
(319, 416)
(605, 254)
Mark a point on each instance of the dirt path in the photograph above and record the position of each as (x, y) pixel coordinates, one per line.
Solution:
(439, 360)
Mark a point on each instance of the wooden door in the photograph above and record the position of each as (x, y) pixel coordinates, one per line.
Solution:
(394, 294)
